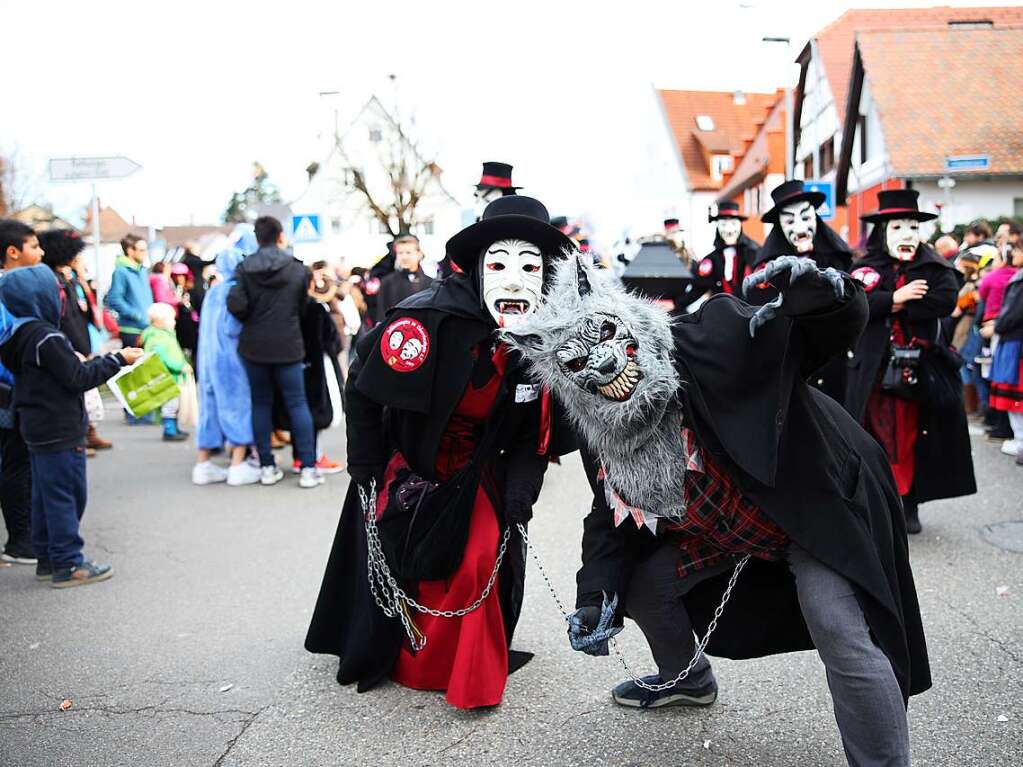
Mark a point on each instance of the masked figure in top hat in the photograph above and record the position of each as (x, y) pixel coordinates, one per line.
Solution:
(799, 230)
(709, 447)
(724, 268)
(495, 182)
(921, 425)
(443, 422)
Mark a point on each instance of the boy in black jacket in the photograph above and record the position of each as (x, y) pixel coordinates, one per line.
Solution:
(51, 379)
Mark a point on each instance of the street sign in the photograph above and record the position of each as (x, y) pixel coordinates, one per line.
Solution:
(827, 208)
(305, 228)
(91, 168)
(968, 162)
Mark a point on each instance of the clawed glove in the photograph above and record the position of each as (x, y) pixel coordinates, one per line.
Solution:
(590, 628)
(816, 289)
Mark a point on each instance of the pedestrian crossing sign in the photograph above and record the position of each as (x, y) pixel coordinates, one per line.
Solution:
(305, 228)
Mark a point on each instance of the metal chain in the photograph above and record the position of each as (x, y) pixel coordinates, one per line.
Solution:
(700, 646)
(389, 596)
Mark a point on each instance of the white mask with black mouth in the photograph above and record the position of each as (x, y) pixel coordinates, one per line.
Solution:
(902, 238)
(484, 197)
(798, 223)
(729, 229)
(513, 274)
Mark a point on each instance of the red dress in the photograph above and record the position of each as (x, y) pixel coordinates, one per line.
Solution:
(468, 656)
(894, 421)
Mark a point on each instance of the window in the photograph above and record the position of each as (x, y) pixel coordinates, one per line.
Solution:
(972, 24)
(383, 228)
(335, 225)
(426, 227)
(1017, 207)
(827, 162)
(720, 164)
(861, 131)
(375, 135)
(705, 122)
(808, 166)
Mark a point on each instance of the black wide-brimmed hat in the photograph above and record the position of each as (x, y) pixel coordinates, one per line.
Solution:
(789, 193)
(898, 203)
(671, 224)
(512, 217)
(497, 175)
(727, 209)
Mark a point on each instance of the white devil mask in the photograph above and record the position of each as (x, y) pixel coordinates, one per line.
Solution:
(902, 237)
(798, 223)
(512, 280)
(484, 196)
(729, 229)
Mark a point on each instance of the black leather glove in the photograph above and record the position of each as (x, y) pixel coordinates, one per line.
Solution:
(517, 510)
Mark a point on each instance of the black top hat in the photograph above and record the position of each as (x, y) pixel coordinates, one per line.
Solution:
(515, 216)
(727, 209)
(898, 203)
(497, 175)
(671, 223)
(788, 193)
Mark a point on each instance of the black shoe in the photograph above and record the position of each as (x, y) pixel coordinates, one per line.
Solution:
(44, 571)
(175, 436)
(913, 526)
(632, 695)
(999, 433)
(18, 555)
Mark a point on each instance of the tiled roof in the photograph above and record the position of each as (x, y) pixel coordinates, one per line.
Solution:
(947, 93)
(835, 42)
(753, 164)
(732, 123)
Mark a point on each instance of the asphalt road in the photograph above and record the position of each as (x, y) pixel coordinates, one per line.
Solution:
(192, 654)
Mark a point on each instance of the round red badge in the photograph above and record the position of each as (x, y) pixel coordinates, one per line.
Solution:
(405, 345)
(706, 267)
(867, 276)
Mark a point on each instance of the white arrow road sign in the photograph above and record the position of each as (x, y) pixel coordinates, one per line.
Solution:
(91, 168)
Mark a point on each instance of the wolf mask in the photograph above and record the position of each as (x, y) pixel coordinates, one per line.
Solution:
(606, 355)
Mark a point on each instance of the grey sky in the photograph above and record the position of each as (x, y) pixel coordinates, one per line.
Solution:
(194, 91)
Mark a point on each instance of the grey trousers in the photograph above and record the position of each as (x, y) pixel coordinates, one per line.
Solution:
(866, 696)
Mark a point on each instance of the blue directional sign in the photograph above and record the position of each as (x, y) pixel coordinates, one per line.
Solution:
(968, 162)
(305, 228)
(827, 208)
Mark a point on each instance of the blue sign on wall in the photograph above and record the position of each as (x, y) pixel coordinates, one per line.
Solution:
(305, 228)
(827, 208)
(968, 162)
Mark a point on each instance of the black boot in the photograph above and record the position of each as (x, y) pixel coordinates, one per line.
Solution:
(912, 511)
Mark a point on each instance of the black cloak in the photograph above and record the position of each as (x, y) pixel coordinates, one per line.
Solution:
(803, 460)
(944, 461)
(387, 411)
(829, 250)
(745, 259)
(322, 347)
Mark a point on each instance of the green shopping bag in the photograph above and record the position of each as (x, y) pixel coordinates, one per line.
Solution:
(143, 387)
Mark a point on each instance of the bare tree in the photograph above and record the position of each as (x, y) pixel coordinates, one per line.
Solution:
(18, 187)
(393, 188)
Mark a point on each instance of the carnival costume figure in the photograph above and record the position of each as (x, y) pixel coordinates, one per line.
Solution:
(444, 423)
(733, 258)
(904, 384)
(711, 454)
(799, 230)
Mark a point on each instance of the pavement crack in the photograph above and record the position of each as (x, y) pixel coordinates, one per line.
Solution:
(577, 716)
(462, 739)
(6, 716)
(253, 716)
(979, 630)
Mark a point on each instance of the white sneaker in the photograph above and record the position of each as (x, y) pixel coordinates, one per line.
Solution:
(1012, 446)
(244, 474)
(270, 475)
(310, 477)
(208, 473)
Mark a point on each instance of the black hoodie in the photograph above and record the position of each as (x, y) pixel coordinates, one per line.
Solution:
(268, 299)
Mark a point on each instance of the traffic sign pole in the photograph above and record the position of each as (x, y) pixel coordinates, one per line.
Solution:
(97, 277)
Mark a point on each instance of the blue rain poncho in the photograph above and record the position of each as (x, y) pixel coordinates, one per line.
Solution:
(225, 407)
